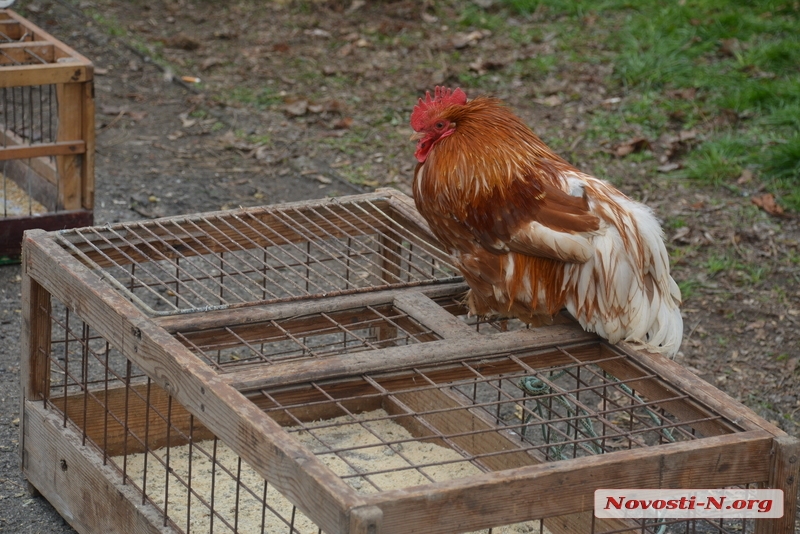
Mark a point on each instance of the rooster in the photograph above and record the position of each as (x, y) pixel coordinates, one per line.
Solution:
(531, 234)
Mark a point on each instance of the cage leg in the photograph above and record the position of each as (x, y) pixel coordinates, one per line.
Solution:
(34, 367)
(783, 475)
(87, 133)
(70, 120)
(366, 520)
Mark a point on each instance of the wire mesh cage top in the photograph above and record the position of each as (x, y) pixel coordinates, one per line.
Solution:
(261, 255)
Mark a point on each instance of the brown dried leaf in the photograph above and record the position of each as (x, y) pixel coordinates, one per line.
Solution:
(729, 47)
(637, 144)
(108, 109)
(767, 203)
(343, 123)
(681, 234)
(297, 108)
(747, 176)
(211, 62)
(550, 101)
(668, 167)
(463, 39)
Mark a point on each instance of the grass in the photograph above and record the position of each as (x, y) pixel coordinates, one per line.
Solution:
(741, 58)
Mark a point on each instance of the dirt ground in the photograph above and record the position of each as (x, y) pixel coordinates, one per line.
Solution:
(302, 100)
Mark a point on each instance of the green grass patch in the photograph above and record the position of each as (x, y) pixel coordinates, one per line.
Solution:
(737, 57)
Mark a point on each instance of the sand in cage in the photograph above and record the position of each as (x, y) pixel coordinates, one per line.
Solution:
(15, 202)
(362, 436)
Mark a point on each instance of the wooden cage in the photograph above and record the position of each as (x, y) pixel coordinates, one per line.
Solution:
(46, 134)
(310, 368)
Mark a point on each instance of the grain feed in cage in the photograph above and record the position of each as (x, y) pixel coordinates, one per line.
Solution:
(46, 134)
(310, 368)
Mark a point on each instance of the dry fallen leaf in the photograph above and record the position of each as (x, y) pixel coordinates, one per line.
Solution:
(343, 123)
(550, 101)
(637, 144)
(767, 203)
(668, 167)
(747, 176)
(297, 108)
(211, 62)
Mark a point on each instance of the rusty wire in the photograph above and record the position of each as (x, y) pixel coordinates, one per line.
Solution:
(222, 261)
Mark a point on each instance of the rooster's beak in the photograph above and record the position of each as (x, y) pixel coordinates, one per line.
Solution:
(416, 136)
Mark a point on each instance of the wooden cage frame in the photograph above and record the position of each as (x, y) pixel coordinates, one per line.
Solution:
(81, 488)
(59, 174)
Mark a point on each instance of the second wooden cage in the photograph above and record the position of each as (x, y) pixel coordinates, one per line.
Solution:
(46, 134)
(311, 368)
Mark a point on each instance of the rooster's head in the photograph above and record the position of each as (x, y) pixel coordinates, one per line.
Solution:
(429, 118)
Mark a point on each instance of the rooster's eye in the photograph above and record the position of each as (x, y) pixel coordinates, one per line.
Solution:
(439, 125)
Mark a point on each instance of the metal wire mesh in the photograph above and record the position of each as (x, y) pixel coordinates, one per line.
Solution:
(258, 256)
(311, 336)
(378, 431)
(28, 116)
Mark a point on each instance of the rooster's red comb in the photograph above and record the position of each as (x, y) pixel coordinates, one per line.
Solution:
(442, 97)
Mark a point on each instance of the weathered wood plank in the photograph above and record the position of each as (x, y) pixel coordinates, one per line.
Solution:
(35, 337)
(433, 316)
(75, 481)
(13, 228)
(20, 52)
(88, 137)
(60, 148)
(247, 430)
(24, 75)
(281, 310)
(107, 424)
(70, 115)
(784, 475)
(566, 487)
(393, 358)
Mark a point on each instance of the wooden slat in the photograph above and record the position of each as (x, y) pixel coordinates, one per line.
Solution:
(433, 316)
(85, 492)
(394, 358)
(105, 422)
(70, 115)
(58, 73)
(43, 149)
(34, 368)
(566, 487)
(281, 310)
(20, 52)
(784, 475)
(88, 137)
(13, 228)
(248, 431)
